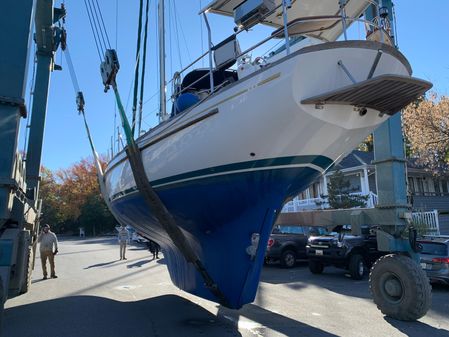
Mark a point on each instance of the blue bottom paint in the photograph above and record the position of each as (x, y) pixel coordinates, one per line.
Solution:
(218, 215)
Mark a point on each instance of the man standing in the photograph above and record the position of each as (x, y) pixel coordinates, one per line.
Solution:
(123, 237)
(47, 240)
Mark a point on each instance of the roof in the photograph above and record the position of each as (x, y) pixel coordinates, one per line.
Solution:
(360, 158)
(299, 9)
(354, 159)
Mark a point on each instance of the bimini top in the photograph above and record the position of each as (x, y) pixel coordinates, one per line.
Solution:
(300, 9)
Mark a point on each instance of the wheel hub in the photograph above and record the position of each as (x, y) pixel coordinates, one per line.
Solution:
(393, 287)
(361, 268)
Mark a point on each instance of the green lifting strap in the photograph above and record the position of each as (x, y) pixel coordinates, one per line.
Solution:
(158, 208)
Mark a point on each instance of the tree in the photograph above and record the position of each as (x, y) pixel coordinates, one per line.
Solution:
(51, 204)
(367, 145)
(426, 128)
(340, 193)
(72, 199)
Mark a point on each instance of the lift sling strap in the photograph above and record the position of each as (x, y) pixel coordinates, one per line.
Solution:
(157, 207)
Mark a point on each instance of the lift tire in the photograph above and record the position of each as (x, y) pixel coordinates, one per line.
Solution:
(356, 266)
(400, 288)
(30, 262)
(316, 267)
(288, 259)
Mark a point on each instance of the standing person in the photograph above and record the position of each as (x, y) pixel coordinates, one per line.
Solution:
(154, 248)
(123, 237)
(47, 240)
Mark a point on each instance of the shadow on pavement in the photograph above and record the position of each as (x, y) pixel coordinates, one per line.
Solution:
(333, 279)
(416, 329)
(138, 264)
(91, 316)
(273, 321)
(161, 261)
(101, 264)
(440, 300)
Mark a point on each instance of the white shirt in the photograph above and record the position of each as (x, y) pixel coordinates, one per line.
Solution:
(123, 234)
(47, 240)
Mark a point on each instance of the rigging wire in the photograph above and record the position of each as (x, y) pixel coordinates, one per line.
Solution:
(144, 57)
(177, 34)
(185, 41)
(136, 70)
(170, 37)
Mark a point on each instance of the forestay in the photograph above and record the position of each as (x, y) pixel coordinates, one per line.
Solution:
(300, 9)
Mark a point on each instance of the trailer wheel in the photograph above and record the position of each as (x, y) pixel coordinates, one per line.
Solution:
(356, 266)
(400, 288)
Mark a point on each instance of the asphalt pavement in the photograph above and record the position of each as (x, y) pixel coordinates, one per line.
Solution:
(98, 295)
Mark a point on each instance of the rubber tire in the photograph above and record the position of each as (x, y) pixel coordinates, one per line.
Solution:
(416, 292)
(354, 266)
(30, 262)
(316, 267)
(288, 259)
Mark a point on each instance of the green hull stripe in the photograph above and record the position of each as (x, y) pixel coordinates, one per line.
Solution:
(320, 161)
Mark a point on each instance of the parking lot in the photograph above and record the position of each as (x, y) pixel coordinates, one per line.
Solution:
(98, 295)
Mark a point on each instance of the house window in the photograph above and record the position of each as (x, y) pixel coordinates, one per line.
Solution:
(436, 186)
(411, 185)
(420, 185)
(444, 186)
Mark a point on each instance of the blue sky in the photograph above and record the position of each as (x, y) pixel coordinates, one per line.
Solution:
(423, 36)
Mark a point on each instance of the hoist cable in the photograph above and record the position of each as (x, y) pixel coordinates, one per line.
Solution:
(93, 31)
(136, 71)
(144, 58)
(98, 25)
(104, 27)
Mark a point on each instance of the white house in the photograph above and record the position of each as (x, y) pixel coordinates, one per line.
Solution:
(426, 192)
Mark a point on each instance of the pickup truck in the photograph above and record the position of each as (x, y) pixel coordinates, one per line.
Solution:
(287, 243)
(355, 253)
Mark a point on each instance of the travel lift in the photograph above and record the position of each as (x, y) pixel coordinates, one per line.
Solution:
(20, 206)
(399, 286)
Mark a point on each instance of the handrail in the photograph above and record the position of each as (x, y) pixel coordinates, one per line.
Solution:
(276, 34)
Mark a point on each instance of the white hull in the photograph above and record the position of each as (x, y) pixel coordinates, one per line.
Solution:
(261, 117)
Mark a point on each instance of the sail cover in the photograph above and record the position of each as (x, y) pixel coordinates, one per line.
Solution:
(300, 9)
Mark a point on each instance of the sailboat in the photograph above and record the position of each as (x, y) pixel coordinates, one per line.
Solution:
(246, 135)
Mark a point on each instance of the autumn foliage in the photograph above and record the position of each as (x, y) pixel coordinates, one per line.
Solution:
(426, 128)
(72, 199)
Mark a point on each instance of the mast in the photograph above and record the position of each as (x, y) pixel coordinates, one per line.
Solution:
(163, 109)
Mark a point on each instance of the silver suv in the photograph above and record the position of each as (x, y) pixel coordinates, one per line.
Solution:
(435, 258)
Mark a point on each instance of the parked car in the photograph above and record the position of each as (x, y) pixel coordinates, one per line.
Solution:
(341, 249)
(287, 243)
(434, 258)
